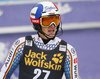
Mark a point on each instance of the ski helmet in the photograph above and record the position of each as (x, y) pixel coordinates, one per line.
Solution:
(42, 9)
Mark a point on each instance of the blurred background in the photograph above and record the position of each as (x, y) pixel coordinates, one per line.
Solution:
(80, 22)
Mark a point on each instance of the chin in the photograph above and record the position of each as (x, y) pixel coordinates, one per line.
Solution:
(51, 36)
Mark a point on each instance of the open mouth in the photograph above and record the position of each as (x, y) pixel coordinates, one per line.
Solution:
(52, 31)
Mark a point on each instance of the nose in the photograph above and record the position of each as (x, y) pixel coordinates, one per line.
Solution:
(52, 26)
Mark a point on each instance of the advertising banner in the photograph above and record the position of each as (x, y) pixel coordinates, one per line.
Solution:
(71, 12)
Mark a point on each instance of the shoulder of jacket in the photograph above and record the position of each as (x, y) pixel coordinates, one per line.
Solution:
(57, 39)
(69, 46)
(35, 35)
(19, 41)
(71, 50)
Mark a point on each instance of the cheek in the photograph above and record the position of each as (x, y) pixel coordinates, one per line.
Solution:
(44, 29)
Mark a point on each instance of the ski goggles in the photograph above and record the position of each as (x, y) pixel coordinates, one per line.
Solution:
(45, 21)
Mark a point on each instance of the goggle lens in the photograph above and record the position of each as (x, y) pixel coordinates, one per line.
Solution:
(46, 21)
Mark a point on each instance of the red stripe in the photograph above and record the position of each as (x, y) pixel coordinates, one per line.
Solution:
(56, 6)
(35, 21)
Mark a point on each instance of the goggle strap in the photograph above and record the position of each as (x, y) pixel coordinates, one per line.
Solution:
(60, 18)
(35, 21)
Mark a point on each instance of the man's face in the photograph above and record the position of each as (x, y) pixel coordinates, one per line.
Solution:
(49, 25)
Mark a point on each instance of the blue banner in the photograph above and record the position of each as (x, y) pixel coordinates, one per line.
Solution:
(71, 12)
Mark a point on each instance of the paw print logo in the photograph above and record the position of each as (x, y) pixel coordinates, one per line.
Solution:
(57, 58)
